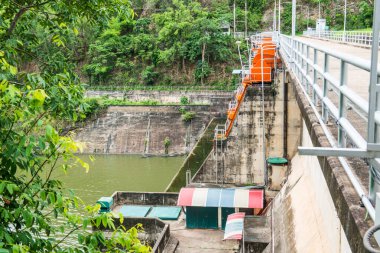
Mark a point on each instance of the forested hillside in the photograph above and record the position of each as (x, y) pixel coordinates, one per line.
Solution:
(180, 44)
(164, 43)
(359, 14)
(171, 42)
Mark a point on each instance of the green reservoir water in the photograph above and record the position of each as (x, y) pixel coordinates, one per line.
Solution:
(110, 173)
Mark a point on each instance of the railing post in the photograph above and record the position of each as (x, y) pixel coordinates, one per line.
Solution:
(293, 26)
(307, 67)
(315, 73)
(325, 115)
(342, 102)
(373, 128)
(303, 62)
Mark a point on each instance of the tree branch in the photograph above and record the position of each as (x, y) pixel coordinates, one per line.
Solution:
(20, 13)
(11, 127)
(14, 21)
(40, 168)
(49, 175)
(64, 238)
(35, 122)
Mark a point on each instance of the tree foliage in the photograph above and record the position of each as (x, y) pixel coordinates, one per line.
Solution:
(30, 145)
(181, 44)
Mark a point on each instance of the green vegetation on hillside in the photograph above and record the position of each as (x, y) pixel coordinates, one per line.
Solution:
(182, 45)
(165, 43)
(359, 14)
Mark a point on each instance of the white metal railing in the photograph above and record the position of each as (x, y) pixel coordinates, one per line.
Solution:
(220, 132)
(258, 37)
(242, 35)
(350, 37)
(316, 78)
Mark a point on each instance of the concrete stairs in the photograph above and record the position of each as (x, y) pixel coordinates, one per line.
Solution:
(171, 245)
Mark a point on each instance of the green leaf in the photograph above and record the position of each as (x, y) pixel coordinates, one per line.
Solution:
(15, 249)
(8, 238)
(80, 238)
(104, 221)
(13, 70)
(98, 221)
(51, 197)
(39, 95)
(2, 187)
(85, 223)
(28, 218)
(43, 195)
(121, 216)
(10, 188)
(49, 130)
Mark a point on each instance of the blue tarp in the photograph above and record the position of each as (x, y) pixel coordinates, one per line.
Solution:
(228, 198)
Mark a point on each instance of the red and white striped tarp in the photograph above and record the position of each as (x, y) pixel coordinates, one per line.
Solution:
(234, 227)
(217, 197)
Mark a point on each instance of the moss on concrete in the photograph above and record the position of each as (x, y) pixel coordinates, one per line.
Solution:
(196, 157)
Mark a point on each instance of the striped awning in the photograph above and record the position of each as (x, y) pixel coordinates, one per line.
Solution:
(234, 227)
(216, 197)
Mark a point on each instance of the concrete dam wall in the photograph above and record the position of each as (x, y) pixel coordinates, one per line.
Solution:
(216, 98)
(242, 163)
(304, 215)
(143, 129)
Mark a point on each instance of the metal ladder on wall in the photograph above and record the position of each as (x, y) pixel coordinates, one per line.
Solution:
(220, 147)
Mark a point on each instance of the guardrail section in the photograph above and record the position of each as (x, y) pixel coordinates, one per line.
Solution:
(350, 37)
(325, 76)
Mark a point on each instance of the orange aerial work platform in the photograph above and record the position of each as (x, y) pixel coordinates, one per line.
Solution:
(263, 64)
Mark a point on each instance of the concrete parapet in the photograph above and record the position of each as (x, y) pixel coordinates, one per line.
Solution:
(145, 198)
(347, 202)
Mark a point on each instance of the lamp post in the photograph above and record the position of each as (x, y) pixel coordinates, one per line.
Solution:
(247, 40)
(238, 42)
(344, 22)
(319, 18)
(274, 16)
(279, 16)
(294, 5)
(245, 19)
(234, 19)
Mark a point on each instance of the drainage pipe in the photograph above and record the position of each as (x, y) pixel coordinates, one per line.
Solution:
(285, 123)
(357, 186)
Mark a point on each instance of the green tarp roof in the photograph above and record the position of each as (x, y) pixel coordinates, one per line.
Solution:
(165, 212)
(135, 211)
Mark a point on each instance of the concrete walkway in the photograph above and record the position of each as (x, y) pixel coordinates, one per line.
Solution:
(357, 79)
(200, 240)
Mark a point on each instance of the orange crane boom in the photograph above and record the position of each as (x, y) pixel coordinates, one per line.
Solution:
(263, 63)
